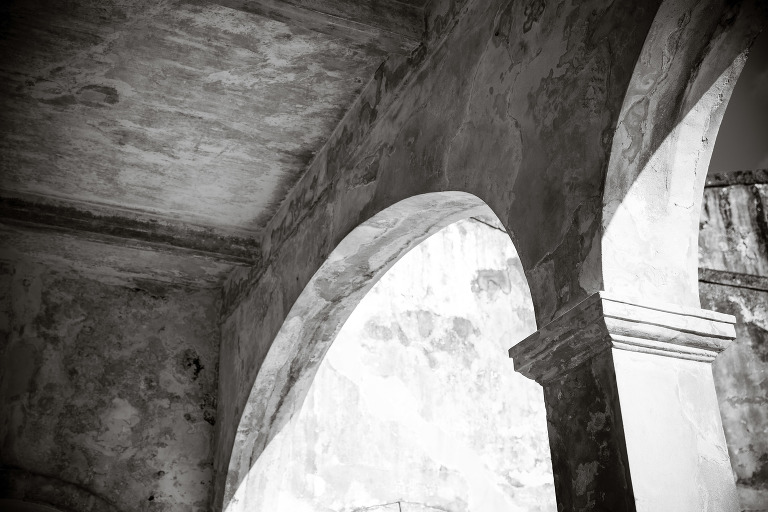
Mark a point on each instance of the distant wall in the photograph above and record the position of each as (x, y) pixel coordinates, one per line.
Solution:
(733, 259)
(416, 406)
(107, 392)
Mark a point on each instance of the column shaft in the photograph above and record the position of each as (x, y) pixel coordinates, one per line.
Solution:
(633, 420)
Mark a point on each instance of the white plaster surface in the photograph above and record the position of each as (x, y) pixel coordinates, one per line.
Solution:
(416, 404)
(675, 443)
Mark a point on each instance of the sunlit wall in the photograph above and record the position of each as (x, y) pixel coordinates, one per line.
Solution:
(416, 405)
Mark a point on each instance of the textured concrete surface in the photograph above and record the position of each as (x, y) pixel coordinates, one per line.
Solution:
(675, 443)
(404, 17)
(733, 233)
(415, 404)
(191, 110)
(518, 104)
(483, 113)
(107, 393)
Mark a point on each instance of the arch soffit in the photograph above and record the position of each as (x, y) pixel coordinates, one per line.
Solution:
(662, 146)
(320, 311)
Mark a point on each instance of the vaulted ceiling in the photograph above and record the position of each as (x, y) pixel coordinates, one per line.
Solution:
(136, 128)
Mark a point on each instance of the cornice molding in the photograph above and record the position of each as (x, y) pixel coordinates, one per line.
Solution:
(121, 227)
(604, 321)
(728, 179)
(734, 279)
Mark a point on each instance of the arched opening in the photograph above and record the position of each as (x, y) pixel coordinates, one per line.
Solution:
(415, 404)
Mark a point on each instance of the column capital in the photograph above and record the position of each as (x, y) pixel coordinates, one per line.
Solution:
(604, 321)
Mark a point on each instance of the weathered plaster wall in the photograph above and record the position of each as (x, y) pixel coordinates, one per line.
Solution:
(107, 393)
(511, 102)
(733, 233)
(734, 280)
(741, 379)
(196, 111)
(515, 102)
(416, 401)
(496, 110)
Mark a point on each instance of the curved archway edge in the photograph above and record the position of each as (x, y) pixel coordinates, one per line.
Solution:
(663, 143)
(333, 292)
(549, 187)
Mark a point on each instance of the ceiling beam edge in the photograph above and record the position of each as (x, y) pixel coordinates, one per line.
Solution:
(388, 38)
(113, 227)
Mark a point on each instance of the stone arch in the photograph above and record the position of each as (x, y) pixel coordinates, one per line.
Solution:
(662, 145)
(518, 107)
(452, 120)
(320, 311)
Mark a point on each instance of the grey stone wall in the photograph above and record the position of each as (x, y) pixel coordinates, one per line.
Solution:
(107, 392)
(734, 279)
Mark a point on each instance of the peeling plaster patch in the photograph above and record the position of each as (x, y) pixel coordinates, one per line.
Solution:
(425, 322)
(117, 423)
(491, 282)
(378, 331)
(98, 95)
(585, 473)
(189, 362)
(597, 422)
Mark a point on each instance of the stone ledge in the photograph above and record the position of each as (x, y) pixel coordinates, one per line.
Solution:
(604, 321)
(123, 227)
(726, 179)
(734, 279)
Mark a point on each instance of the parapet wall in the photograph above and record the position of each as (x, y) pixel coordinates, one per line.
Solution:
(733, 278)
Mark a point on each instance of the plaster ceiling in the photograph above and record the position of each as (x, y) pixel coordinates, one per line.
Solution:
(197, 113)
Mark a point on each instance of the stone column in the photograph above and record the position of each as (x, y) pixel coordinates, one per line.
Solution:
(632, 414)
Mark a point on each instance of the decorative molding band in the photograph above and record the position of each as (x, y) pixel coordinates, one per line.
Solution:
(726, 179)
(603, 321)
(120, 227)
(735, 279)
